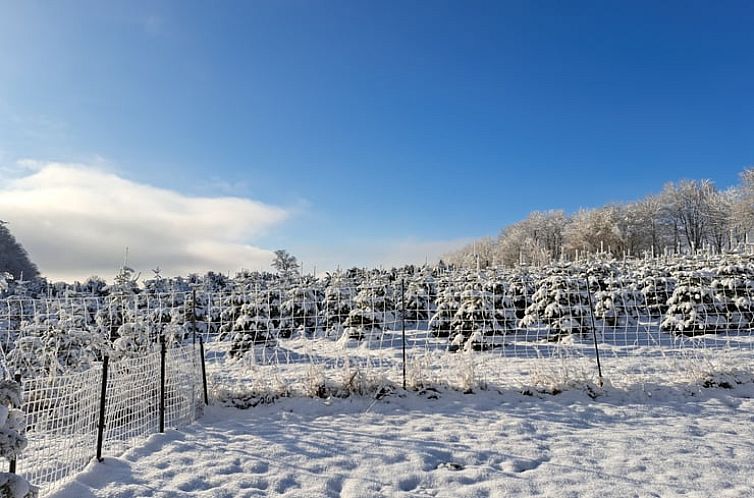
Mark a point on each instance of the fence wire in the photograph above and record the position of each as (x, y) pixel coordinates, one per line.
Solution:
(62, 412)
(652, 325)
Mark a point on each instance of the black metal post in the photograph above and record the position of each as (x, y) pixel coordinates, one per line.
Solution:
(594, 332)
(102, 398)
(193, 315)
(204, 371)
(163, 351)
(403, 327)
(12, 462)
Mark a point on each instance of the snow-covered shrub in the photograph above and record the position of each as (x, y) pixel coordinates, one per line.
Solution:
(561, 302)
(448, 303)
(373, 308)
(338, 303)
(5, 279)
(362, 322)
(733, 289)
(617, 304)
(417, 301)
(134, 340)
(692, 309)
(12, 440)
(481, 315)
(298, 312)
(656, 289)
(29, 356)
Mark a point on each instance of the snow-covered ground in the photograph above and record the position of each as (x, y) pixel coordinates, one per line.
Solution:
(644, 441)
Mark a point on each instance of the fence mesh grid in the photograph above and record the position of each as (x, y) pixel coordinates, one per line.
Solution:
(458, 329)
(62, 412)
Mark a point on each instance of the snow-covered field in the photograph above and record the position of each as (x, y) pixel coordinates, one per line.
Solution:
(679, 441)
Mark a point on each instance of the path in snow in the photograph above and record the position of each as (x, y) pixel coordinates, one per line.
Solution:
(675, 442)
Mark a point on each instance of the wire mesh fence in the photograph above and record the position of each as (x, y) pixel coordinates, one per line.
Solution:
(367, 324)
(461, 329)
(62, 412)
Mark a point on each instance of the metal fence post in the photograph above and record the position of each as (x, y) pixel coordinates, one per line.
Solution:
(403, 327)
(193, 316)
(102, 398)
(163, 352)
(204, 371)
(594, 331)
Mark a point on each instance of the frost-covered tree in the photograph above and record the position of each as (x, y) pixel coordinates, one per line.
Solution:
(299, 310)
(477, 318)
(692, 309)
(417, 301)
(595, 230)
(285, 264)
(338, 303)
(617, 303)
(448, 303)
(538, 239)
(562, 303)
(687, 204)
(135, 338)
(248, 322)
(374, 307)
(13, 440)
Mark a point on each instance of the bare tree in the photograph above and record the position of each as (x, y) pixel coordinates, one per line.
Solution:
(742, 206)
(718, 213)
(285, 263)
(537, 239)
(593, 230)
(687, 204)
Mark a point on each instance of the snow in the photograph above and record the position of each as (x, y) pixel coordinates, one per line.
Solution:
(651, 441)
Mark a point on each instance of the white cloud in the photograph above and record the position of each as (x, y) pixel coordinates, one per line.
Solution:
(76, 221)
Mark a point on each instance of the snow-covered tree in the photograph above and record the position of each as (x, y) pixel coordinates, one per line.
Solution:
(448, 303)
(248, 321)
(299, 310)
(476, 319)
(692, 309)
(417, 301)
(656, 287)
(29, 356)
(617, 303)
(13, 441)
(374, 307)
(13, 257)
(562, 303)
(687, 204)
(338, 303)
(135, 338)
(285, 264)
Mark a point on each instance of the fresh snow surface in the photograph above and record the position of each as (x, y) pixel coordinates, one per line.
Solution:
(651, 441)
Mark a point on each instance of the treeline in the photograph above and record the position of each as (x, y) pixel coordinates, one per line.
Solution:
(686, 217)
(14, 260)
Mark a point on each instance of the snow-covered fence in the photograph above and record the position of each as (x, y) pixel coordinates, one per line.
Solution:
(461, 327)
(62, 411)
(472, 329)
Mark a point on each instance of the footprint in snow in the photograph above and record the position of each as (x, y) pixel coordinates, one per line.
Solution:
(450, 466)
(519, 465)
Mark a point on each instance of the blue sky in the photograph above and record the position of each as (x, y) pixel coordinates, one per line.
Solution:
(383, 124)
